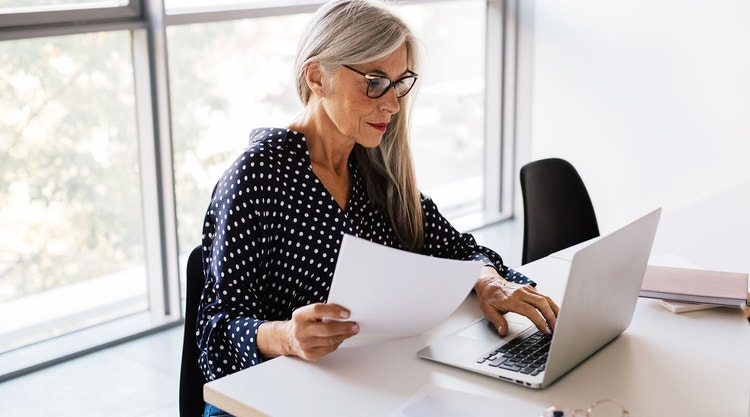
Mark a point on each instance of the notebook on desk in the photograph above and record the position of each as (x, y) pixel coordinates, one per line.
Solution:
(600, 297)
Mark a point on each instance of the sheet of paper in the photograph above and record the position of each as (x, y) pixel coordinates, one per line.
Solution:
(393, 293)
(433, 401)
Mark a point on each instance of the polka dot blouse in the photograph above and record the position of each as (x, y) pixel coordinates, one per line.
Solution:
(271, 237)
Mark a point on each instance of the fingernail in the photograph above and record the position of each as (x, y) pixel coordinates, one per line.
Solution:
(547, 330)
(355, 328)
(344, 314)
(500, 329)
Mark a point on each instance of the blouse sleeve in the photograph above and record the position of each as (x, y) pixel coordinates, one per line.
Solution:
(232, 251)
(444, 241)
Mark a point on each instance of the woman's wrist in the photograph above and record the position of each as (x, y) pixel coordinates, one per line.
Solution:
(487, 276)
(273, 339)
(489, 272)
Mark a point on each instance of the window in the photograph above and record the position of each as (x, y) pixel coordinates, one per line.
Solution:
(110, 147)
(74, 220)
(71, 246)
(214, 107)
(448, 122)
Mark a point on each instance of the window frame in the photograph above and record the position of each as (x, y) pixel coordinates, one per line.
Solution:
(74, 14)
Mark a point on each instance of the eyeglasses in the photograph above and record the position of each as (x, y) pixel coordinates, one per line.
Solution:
(613, 409)
(378, 85)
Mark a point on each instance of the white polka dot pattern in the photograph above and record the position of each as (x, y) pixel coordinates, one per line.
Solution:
(270, 242)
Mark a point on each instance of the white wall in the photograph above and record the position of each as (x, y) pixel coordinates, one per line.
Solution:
(649, 99)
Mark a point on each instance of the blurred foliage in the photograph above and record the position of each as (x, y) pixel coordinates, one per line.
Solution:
(69, 185)
(226, 78)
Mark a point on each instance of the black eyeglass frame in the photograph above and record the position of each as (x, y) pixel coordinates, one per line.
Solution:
(392, 84)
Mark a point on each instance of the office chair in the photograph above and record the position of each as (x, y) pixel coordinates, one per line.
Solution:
(558, 212)
(191, 376)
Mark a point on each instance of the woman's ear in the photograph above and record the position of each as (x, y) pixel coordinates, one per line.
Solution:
(315, 78)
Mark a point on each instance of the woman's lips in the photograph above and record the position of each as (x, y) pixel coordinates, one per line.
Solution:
(379, 126)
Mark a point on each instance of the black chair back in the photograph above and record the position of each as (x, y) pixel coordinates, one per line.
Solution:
(191, 376)
(558, 212)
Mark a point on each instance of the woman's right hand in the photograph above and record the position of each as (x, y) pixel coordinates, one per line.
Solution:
(314, 331)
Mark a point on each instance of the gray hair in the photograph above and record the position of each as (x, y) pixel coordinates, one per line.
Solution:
(350, 32)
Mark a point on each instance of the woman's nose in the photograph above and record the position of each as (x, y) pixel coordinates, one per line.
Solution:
(389, 102)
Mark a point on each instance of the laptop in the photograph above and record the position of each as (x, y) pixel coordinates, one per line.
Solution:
(600, 297)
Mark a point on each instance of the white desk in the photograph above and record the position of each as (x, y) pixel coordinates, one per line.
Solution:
(665, 364)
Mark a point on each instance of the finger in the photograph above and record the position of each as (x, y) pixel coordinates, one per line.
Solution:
(548, 310)
(315, 353)
(321, 311)
(536, 318)
(498, 320)
(331, 332)
(333, 311)
(337, 339)
(318, 346)
(550, 314)
(338, 328)
(323, 345)
(555, 307)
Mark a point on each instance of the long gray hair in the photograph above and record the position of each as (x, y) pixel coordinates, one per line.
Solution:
(350, 32)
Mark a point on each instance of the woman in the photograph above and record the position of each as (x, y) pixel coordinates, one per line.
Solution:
(277, 216)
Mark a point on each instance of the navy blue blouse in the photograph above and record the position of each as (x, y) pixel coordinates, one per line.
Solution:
(271, 237)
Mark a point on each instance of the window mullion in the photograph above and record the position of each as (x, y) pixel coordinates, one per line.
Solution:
(149, 49)
(507, 95)
(493, 110)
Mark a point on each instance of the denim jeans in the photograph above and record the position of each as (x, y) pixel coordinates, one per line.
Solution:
(211, 411)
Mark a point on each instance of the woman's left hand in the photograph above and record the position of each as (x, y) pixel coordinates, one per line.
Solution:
(498, 296)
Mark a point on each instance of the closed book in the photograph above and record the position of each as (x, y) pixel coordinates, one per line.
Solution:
(695, 285)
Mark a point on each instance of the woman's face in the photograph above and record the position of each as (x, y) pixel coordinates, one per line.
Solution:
(353, 114)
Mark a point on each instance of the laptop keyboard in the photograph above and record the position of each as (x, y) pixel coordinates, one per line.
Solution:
(527, 356)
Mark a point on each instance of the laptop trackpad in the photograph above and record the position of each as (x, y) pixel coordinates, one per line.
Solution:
(485, 331)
